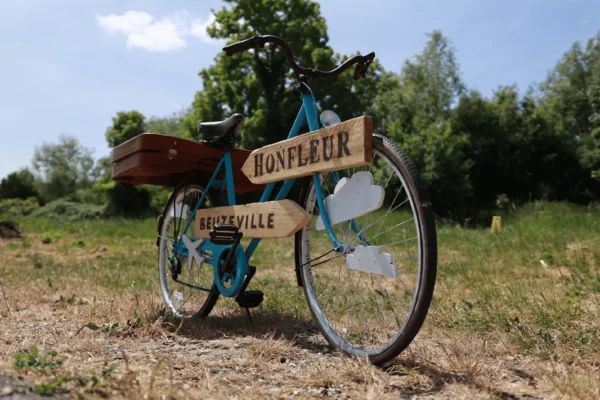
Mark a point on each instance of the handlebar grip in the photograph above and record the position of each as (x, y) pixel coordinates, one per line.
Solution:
(239, 47)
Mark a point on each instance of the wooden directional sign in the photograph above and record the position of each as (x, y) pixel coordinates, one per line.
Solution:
(280, 218)
(347, 144)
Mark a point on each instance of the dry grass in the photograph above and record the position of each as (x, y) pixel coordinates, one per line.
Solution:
(503, 324)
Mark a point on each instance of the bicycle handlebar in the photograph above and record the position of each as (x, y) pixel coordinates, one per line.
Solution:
(362, 62)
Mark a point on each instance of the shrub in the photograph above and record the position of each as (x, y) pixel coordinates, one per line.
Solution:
(14, 208)
(64, 210)
(128, 201)
(88, 196)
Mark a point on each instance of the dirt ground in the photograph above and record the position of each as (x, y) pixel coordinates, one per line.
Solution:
(227, 356)
(514, 316)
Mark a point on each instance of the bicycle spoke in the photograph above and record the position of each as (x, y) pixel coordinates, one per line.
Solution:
(400, 241)
(380, 315)
(362, 310)
(393, 227)
(332, 285)
(377, 220)
(388, 300)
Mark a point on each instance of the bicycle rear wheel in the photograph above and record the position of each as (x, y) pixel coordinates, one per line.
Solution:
(359, 312)
(187, 287)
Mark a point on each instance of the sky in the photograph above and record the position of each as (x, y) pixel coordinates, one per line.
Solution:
(68, 66)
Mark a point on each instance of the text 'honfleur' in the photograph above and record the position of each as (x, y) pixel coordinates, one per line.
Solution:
(322, 149)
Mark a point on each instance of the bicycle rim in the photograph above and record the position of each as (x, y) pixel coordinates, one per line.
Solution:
(362, 313)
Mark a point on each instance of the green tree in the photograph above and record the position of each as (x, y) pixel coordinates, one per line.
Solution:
(123, 199)
(550, 159)
(497, 145)
(102, 170)
(570, 104)
(126, 125)
(18, 185)
(415, 110)
(64, 167)
(169, 125)
(259, 84)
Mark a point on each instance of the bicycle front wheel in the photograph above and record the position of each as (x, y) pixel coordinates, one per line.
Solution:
(358, 311)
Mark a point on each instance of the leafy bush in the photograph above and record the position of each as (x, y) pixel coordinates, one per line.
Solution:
(128, 201)
(64, 210)
(159, 197)
(50, 237)
(40, 261)
(88, 196)
(32, 359)
(14, 208)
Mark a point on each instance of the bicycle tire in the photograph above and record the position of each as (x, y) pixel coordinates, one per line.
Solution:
(204, 310)
(427, 266)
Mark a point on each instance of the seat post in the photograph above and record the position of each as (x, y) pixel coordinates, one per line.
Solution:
(229, 177)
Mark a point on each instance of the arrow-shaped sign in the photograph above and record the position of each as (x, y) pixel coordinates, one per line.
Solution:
(280, 218)
(347, 144)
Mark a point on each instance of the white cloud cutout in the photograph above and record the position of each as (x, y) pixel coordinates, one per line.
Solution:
(352, 198)
(371, 259)
(144, 31)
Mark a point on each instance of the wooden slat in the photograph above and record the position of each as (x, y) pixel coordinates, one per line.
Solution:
(347, 144)
(280, 218)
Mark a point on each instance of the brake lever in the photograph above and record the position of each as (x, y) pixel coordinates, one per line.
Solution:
(362, 66)
(359, 71)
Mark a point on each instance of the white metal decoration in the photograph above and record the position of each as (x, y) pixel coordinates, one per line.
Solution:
(352, 198)
(193, 252)
(371, 259)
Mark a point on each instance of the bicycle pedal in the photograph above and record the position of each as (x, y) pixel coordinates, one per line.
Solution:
(250, 298)
(225, 234)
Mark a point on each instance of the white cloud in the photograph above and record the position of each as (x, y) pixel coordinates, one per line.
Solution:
(199, 26)
(165, 34)
(352, 198)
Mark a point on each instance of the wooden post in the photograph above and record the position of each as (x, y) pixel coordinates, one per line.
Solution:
(496, 224)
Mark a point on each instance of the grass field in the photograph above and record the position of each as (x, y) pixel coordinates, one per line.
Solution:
(516, 314)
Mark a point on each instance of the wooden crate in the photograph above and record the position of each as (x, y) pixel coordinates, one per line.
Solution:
(164, 160)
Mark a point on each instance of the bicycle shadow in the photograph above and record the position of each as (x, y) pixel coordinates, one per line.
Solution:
(302, 333)
(438, 378)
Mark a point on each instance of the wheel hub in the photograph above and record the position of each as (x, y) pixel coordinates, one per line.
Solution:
(345, 249)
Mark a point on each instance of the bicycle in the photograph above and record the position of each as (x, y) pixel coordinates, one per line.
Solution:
(363, 302)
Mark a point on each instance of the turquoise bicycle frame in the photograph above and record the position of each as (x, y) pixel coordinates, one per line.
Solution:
(307, 112)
